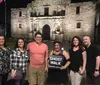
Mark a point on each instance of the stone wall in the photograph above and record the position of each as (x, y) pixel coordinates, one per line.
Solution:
(86, 18)
(62, 27)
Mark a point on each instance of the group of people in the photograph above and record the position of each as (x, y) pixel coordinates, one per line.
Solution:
(12, 60)
(83, 57)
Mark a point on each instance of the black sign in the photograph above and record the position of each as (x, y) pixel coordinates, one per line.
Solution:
(56, 61)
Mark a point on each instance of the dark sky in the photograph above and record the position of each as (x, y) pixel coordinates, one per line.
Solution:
(11, 4)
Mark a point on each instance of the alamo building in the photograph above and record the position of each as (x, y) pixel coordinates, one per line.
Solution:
(55, 19)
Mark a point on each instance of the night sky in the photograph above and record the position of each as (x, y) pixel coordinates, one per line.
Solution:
(16, 4)
(11, 4)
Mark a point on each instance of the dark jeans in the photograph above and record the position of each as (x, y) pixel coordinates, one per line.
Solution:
(20, 81)
(91, 80)
(3, 78)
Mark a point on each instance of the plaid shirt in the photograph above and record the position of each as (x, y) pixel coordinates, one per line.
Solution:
(19, 60)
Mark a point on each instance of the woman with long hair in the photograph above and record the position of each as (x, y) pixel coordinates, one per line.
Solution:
(58, 63)
(4, 60)
(78, 60)
(18, 62)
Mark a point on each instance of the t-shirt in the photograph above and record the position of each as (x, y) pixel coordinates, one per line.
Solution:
(37, 54)
(92, 53)
(76, 59)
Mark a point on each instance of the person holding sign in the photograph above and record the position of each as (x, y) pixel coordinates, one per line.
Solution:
(58, 62)
(78, 61)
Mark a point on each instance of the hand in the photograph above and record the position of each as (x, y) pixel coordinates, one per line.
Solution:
(4, 48)
(81, 72)
(96, 73)
(46, 69)
(62, 67)
(13, 73)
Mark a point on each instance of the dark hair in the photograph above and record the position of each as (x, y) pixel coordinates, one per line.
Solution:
(16, 45)
(60, 44)
(80, 42)
(4, 40)
(38, 33)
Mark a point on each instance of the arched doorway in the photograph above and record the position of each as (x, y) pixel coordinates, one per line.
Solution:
(46, 32)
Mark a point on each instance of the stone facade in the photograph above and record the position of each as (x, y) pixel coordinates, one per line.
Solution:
(56, 19)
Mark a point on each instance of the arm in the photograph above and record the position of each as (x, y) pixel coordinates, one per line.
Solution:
(66, 55)
(50, 55)
(51, 52)
(11, 64)
(97, 57)
(11, 60)
(84, 62)
(46, 60)
(96, 72)
(97, 62)
(27, 47)
(28, 52)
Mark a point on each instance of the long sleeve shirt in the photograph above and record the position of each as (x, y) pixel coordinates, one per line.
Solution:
(19, 60)
(5, 60)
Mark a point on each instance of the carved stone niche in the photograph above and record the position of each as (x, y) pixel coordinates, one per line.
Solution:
(58, 31)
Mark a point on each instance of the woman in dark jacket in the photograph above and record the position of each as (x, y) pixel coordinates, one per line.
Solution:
(4, 60)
